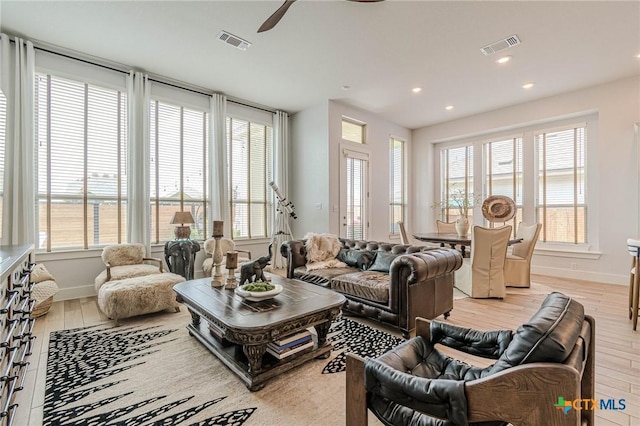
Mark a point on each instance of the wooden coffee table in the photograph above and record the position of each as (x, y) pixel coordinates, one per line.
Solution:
(238, 331)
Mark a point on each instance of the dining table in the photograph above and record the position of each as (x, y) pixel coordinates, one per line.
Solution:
(453, 240)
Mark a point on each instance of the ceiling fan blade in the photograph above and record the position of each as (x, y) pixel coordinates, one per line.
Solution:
(275, 18)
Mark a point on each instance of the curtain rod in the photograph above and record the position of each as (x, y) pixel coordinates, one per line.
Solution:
(152, 77)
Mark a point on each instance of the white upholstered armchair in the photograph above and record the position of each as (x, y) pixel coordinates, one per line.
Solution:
(517, 266)
(226, 245)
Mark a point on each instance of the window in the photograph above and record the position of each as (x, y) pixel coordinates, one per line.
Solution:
(503, 172)
(250, 156)
(3, 128)
(352, 130)
(543, 169)
(81, 134)
(355, 202)
(178, 164)
(456, 165)
(398, 198)
(561, 206)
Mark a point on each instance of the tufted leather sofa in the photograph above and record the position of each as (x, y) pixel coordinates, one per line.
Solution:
(418, 283)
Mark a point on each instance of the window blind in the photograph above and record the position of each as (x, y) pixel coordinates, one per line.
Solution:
(456, 168)
(250, 157)
(356, 197)
(81, 134)
(503, 172)
(561, 205)
(178, 161)
(397, 185)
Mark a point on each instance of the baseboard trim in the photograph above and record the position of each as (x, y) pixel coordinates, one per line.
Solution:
(581, 275)
(75, 293)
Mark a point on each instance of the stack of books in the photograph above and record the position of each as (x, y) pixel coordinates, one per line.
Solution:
(290, 345)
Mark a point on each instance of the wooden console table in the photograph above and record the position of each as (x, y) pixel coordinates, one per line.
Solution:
(244, 328)
(16, 341)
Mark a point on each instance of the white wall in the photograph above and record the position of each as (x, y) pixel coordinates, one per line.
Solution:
(378, 134)
(613, 169)
(315, 167)
(309, 170)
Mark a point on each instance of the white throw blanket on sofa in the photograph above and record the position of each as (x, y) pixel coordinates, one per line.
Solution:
(322, 250)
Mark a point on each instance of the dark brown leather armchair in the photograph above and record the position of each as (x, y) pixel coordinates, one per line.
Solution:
(546, 362)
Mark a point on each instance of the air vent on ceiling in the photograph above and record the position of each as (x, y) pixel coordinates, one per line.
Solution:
(233, 40)
(500, 45)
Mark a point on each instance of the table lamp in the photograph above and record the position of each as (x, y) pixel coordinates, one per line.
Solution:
(182, 232)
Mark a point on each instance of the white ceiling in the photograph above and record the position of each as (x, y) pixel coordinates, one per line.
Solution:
(381, 50)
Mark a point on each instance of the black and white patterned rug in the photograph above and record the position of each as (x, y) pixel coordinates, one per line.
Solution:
(151, 375)
(350, 336)
(81, 358)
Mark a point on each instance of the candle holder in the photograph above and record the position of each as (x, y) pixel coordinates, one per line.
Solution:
(231, 279)
(216, 278)
(232, 264)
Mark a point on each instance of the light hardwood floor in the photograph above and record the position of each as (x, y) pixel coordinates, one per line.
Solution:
(617, 346)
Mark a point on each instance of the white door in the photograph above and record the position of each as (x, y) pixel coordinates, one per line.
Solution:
(354, 185)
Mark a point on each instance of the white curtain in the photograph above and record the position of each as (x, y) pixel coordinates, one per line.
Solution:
(219, 188)
(139, 209)
(281, 229)
(16, 81)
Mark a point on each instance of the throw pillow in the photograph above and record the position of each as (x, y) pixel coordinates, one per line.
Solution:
(40, 273)
(360, 259)
(382, 262)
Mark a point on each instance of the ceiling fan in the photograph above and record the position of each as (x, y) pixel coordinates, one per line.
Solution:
(278, 14)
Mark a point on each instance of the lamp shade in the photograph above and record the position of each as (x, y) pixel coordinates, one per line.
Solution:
(182, 218)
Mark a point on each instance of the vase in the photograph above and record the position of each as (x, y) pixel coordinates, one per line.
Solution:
(462, 226)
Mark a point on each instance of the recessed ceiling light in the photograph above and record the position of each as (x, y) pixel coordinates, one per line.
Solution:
(449, 107)
(527, 86)
(638, 56)
(345, 87)
(504, 60)
(416, 89)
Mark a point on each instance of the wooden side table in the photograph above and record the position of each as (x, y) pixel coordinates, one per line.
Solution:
(180, 256)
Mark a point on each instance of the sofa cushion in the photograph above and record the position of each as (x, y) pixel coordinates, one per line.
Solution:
(40, 273)
(369, 285)
(320, 277)
(382, 262)
(360, 259)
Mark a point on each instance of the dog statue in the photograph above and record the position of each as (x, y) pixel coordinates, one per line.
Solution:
(252, 271)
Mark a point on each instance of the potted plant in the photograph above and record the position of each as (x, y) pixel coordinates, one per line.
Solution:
(463, 203)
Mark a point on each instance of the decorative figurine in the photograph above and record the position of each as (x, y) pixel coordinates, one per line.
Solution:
(253, 270)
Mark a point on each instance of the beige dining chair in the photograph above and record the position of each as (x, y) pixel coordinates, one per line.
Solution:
(488, 254)
(633, 246)
(404, 239)
(445, 227)
(517, 265)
